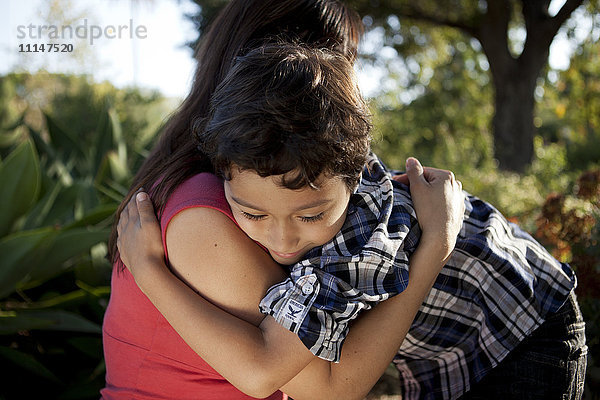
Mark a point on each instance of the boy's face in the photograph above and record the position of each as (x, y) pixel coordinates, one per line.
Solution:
(287, 222)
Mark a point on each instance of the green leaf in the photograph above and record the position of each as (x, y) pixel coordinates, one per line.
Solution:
(97, 215)
(17, 123)
(99, 291)
(109, 191)
(103, 144)
(38, 214)
(90, 346)
(88, 197)
(66, 321)
(61, 140)
(28, 363)
(32, 257)
(118, 160)
(51, 320)
(62, 210)
(118, 167)
(42, 146)
(63, 207)
(67, 244)
(20, 180)
(55, 165)
(117, 131)
(9, 139)
(17, 252)
(59, 301)
(10, 134)
(103, 172)
(12, 322)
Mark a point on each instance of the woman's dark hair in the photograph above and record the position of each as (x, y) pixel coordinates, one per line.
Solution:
(241, 25)
(287, 109)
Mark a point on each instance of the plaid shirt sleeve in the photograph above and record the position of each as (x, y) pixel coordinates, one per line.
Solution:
(365, 263)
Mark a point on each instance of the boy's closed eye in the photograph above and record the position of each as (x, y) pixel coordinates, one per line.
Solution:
(258, 217)
(252, 217)
(313, 218)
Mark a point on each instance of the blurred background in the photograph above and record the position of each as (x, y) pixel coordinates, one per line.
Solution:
(506, 97)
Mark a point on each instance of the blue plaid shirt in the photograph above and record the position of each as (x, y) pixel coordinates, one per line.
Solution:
(496, 288)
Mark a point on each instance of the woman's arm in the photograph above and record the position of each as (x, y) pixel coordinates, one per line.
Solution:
(231, 273)
(267, 357)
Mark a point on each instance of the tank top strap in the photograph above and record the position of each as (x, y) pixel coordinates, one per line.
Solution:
(201, 190)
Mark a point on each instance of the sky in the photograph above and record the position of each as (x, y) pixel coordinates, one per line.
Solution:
(139, 43)
(155, 57)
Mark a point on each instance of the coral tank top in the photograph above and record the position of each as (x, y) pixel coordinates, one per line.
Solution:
(145, 357)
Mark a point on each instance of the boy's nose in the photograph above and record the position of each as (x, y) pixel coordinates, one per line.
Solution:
(283, 238)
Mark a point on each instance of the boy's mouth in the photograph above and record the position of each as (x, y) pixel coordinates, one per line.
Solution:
(285, 255)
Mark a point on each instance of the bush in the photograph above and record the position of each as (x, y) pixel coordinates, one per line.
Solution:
(569, 225)
(64, 170)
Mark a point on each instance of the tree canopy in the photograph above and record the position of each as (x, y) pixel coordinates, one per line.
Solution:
(512, 39)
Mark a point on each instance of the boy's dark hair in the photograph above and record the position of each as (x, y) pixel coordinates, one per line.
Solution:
(287, 108)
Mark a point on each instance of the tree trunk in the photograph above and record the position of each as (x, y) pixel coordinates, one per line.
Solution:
(514, 77)
(513, 120)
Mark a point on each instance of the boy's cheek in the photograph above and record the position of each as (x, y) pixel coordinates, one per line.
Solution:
(319, 237)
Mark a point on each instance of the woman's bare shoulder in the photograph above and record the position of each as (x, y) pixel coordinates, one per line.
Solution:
(209, 252)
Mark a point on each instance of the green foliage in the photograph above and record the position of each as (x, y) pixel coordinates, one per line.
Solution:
(64, 170)
(569, 225)
(32, 258)
(20, 179)
(412, 30)
(446, 124)
(575, 119)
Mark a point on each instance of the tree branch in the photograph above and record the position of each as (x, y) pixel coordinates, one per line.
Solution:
(565, 12)
(493, 36)
(541, 29)
(415, 12)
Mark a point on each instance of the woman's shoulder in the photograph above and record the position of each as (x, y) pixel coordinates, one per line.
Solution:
(213, 256)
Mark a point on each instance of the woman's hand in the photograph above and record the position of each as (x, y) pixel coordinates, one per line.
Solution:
(439, 203)
(139, 241)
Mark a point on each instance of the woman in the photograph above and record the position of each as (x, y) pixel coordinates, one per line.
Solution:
(145, 357)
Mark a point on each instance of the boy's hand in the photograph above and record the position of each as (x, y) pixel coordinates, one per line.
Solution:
(439, 203)
(139, 238)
